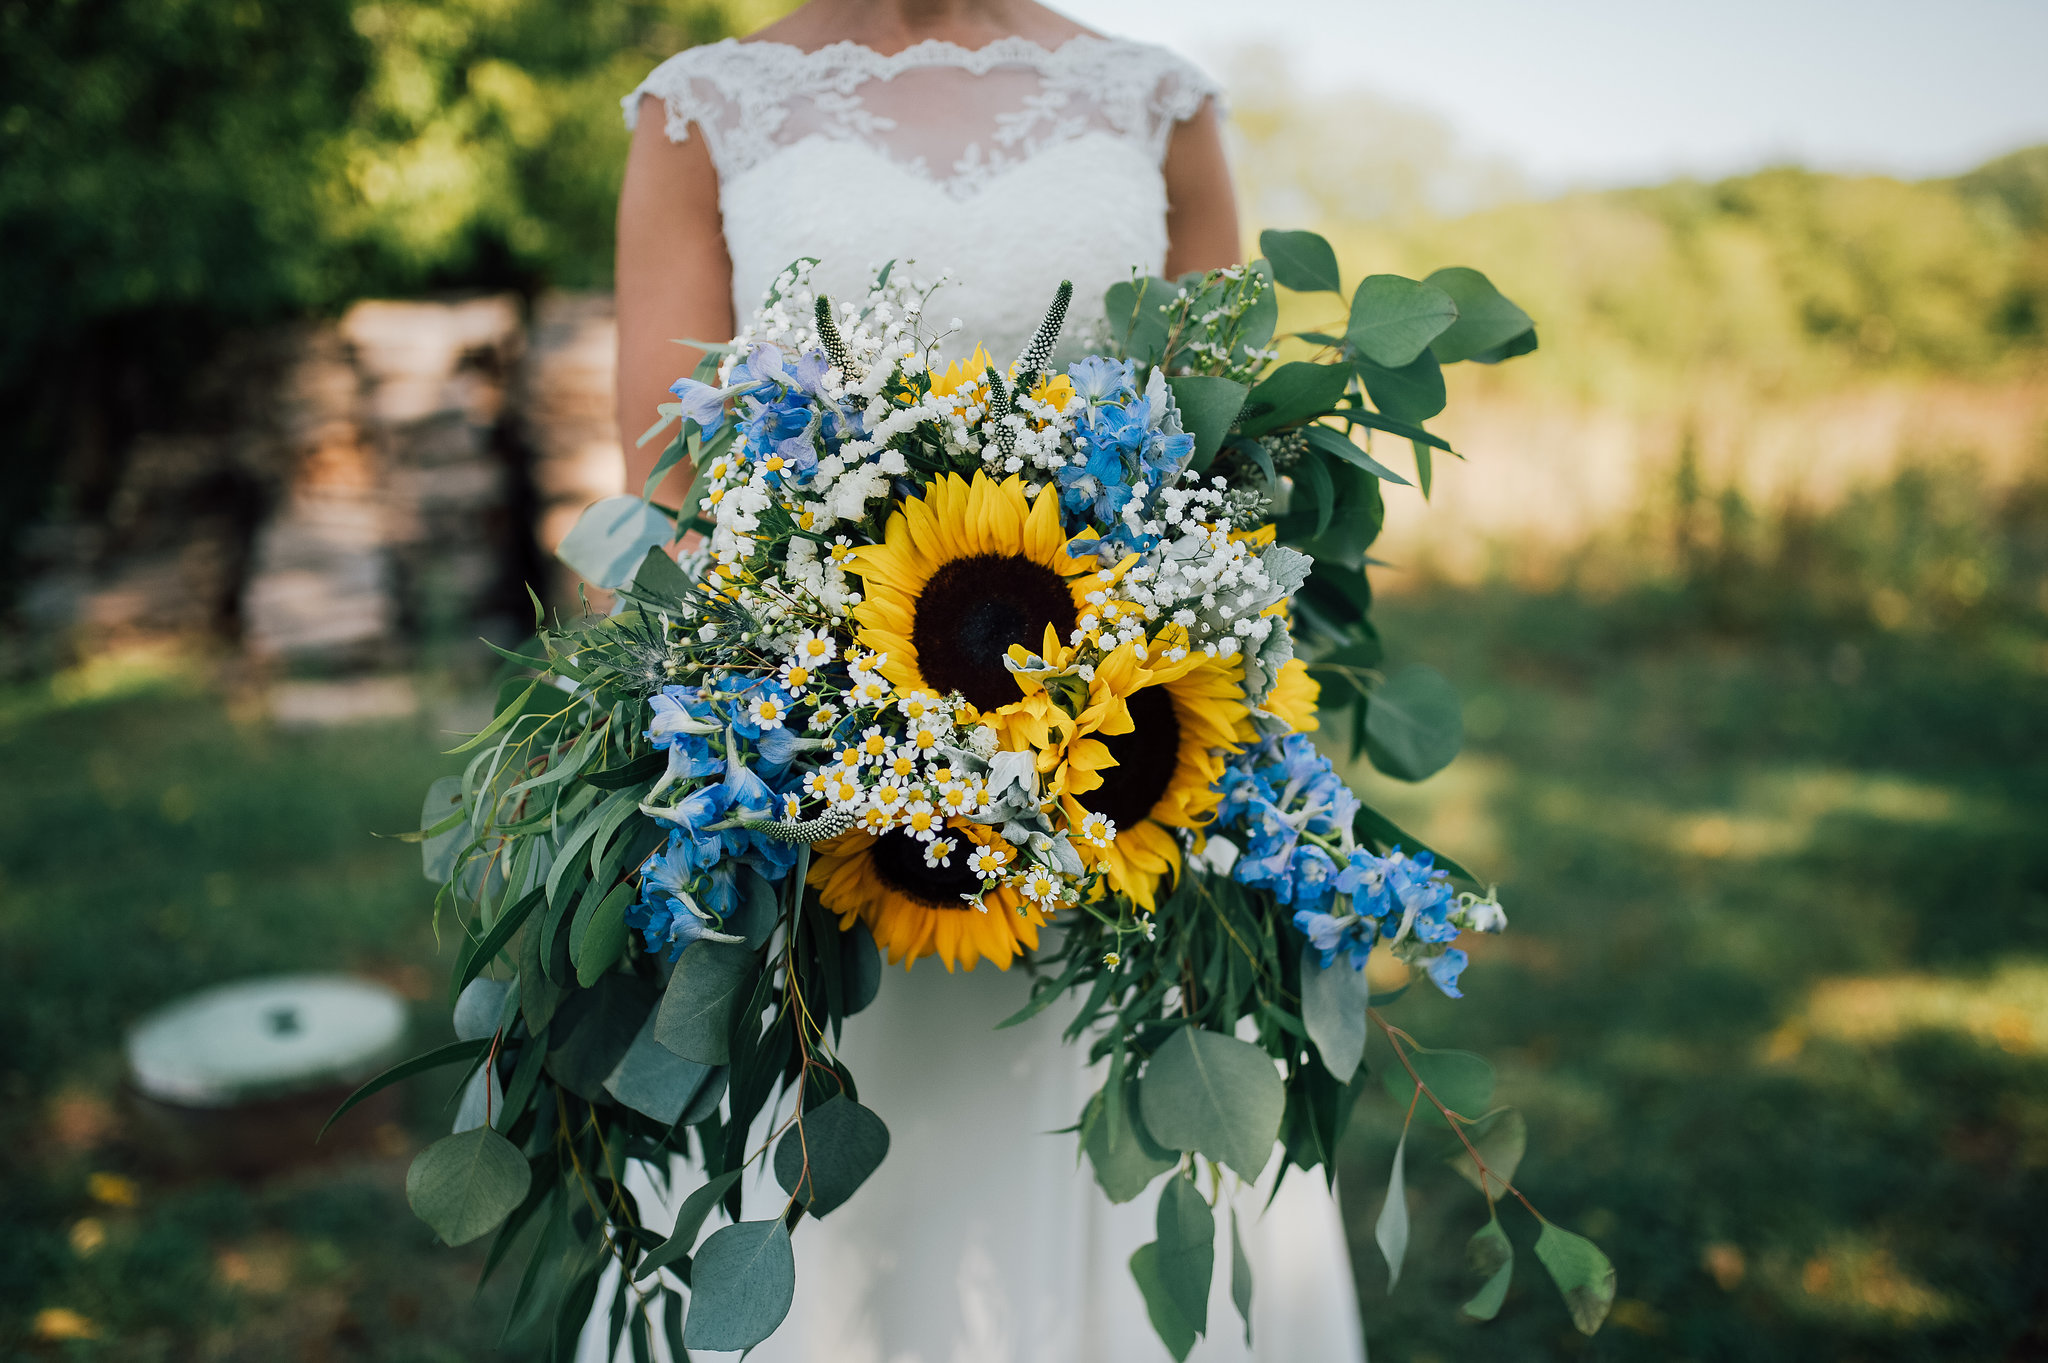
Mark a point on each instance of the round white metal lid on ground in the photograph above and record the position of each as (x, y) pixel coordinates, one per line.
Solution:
(265, 1038)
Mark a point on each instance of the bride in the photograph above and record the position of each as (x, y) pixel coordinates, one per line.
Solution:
(1003, 143)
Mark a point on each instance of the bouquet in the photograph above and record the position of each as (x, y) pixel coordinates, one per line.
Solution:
(951, 652)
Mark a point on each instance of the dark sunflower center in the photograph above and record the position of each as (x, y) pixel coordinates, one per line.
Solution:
(972, 610)
(899, 863)
(1145, 759)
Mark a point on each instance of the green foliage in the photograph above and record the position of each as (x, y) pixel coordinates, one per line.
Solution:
(1333, 1002)
(1174, 1329)
(1187, 1250)
(464, 1185)
(1215, 1095)
(1414, 724)
(1581, 1272)
(1390, 1231)
(710, 983)
(742, 1283)
(828, 1152)
(1785, 281)
(171, 171)
(1491, 1258)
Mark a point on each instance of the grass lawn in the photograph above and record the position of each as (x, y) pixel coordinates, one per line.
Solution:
(151, 844)
(1774, 998)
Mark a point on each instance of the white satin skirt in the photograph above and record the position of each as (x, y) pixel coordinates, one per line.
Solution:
(983, 1237)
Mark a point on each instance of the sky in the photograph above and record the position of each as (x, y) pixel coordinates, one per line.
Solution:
(1607, 92)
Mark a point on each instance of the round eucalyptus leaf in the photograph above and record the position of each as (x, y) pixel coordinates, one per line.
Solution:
(1487, 320)
(1394, 319)
(741, 1284)
(1582, 1273)
(1301, 261)
(610, 540)
(825, 1157)
(1414, 724)
(1214, 1094)
(710, 982)
(1187, 1250)
(464, 1185)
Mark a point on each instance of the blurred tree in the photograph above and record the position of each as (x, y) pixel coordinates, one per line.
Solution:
(171, 169)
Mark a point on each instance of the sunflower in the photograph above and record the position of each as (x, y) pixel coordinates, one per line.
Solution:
(971, 375)
(1163, 763)
(916, 909)
(963, 573)
(1293, 698)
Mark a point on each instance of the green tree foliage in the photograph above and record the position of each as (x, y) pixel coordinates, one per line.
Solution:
(1783, 280)
(171, 169)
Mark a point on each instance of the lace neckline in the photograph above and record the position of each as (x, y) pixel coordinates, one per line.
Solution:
(1011, 50)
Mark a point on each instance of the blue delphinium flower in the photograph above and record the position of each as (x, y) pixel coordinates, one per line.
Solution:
(1352, 934)
(1101, 379)
(667, 913)
(1282, 803)
(703, 403)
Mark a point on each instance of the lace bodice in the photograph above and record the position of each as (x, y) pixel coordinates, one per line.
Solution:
(1012, 166)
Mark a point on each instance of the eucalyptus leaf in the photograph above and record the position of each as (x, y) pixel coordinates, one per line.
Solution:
(1137, 328)
(711, 980)
(1582, 1273)
(741, 1285)
(465, 1184)
(455, 1052)
(1413, 393)
(482, 1099)
(661, 580)
(610, 540)
(592, 1031)
(1207, 1092)
(437, 853)
(1393, 319)
(1187, 1250)
(860, 965)
(829, 1152)
(1340, 446)
(1390, 1232)
(1487, 321)
(1301, 261)
(653, 1080)
(689, 1220)
(1333, 1000)
(1293, 393)
(1462, 1081)
(604, 935)
(1414, 724)
(1240, 1278)
(1207, 406)
(1501, 1138)
(1173, 1329)
(479, 1007)
(1125, 1162)
(1489, 1255)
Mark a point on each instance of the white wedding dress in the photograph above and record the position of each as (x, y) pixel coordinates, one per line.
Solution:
(982, 1238)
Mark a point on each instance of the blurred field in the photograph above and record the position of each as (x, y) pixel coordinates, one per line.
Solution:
(151, 844)
(1775, 997)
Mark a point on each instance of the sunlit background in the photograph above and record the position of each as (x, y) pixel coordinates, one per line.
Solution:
(305, 362)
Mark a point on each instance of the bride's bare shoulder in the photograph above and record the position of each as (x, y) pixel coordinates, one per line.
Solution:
(883, 27)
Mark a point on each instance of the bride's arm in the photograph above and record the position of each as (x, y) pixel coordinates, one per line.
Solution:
(1201, 209)
(674, 279)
